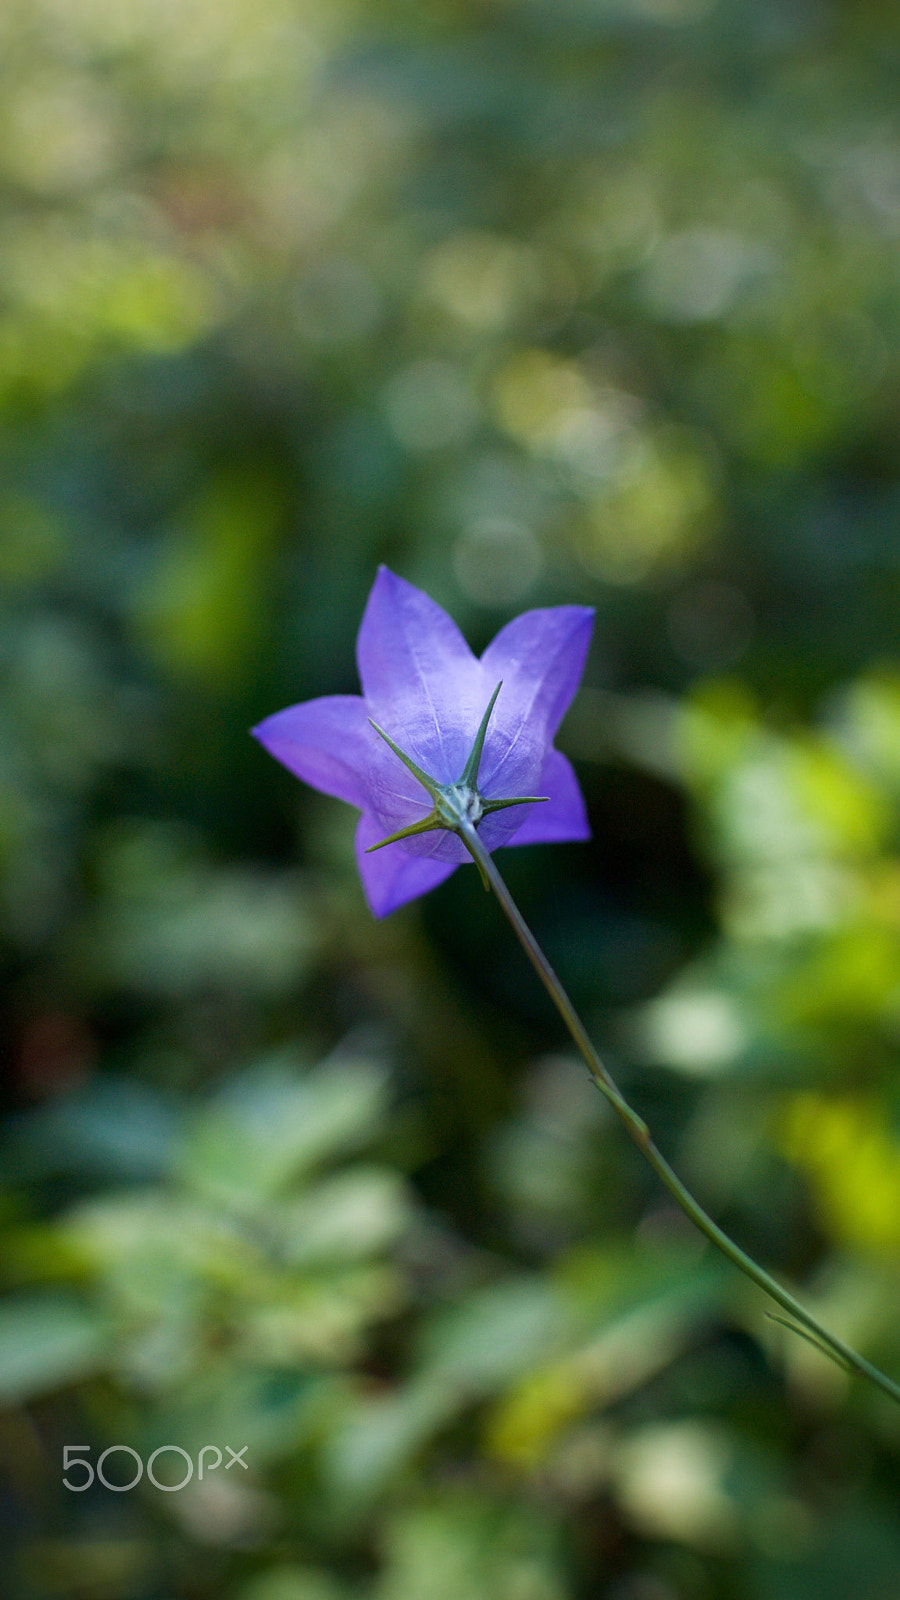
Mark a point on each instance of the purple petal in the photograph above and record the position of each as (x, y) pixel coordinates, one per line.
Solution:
(540, 658)
(563, 815)
(392, 876)
(419, 677)
(327, 743)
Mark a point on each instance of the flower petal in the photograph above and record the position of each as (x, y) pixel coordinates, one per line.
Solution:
(327, 743)
(563, 816)
(419, 677)
(540, 658)
(392, 876)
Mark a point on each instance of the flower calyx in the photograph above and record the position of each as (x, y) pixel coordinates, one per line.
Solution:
(458, 806)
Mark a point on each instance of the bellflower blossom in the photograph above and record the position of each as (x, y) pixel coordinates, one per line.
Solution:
(475, 739)
(436, 726)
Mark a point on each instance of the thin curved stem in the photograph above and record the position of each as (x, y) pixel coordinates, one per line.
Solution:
(640, 1133)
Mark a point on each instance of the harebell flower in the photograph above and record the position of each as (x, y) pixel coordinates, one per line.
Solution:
(471, 748)
(449, 757)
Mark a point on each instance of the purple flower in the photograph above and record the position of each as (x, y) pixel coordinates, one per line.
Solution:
(433, 703)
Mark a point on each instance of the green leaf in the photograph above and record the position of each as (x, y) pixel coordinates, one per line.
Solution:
(46, 1341)
(276, 1124)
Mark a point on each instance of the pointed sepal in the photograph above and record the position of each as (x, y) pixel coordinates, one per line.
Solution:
(426, 782)
(456, 805)
(520, 800)
(427, 825)
(469, 777)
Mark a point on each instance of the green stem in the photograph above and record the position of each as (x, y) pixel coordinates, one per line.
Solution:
(640, 1133)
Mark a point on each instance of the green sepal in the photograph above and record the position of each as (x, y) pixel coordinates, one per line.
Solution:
(470, 770)
(427, 825)
(455, 804)
(426, 782)
(520, 800)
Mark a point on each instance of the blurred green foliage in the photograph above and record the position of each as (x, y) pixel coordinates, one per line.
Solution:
(537, 301)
